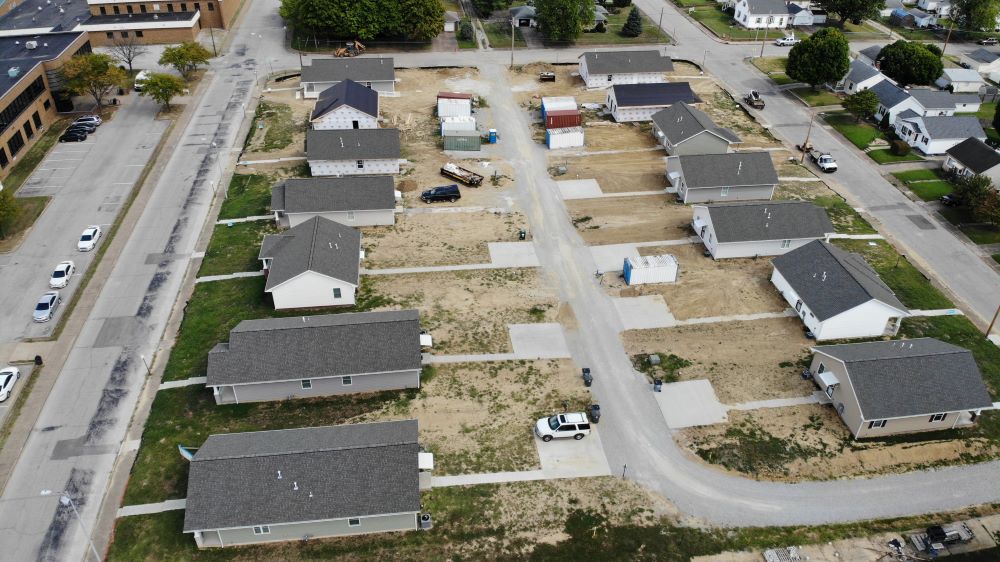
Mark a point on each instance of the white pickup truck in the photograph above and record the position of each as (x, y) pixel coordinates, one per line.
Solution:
(823, 160)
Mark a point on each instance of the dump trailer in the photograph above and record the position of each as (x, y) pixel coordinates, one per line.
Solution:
(458, 173)
(547, 76)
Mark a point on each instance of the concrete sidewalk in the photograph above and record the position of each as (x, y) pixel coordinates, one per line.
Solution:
(150, 508)
(182, 383)
(245, 219)
(241, 274)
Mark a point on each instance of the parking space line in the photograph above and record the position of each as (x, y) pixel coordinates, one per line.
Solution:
(65, 159)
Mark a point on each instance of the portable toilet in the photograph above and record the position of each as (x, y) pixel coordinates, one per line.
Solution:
(493, 136)
(650, 269)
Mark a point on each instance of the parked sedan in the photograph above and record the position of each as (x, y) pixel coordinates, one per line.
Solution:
(73, 136)
(46, 306)
(89, 238)
(61, 274)
(94, 119)
(85, 127)
(988, 41)
(8, 376)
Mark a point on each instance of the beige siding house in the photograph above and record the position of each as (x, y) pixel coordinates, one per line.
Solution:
(901, 386)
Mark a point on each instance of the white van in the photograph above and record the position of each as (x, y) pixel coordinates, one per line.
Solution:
(140, 79)
(574, 425)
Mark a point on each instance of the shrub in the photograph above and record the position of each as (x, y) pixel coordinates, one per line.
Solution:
(622, 3)
(600, 28)
(899, 148)
(465, 31)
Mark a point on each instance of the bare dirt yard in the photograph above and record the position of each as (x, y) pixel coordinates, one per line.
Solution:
(811, 443)
(745, 361)
(418, 176)
(528, 91)
(281, 123)
(438, 239)
(721, 107)
(468, 311)
(787, 165)
(616, 173)
(477, 417)
(682, 68)
(643, 218)
(600, 134)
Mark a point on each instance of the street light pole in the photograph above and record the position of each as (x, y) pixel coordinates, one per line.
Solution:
(211, 31)
(992, 322)
(659, 25)
(65, 500)
(512, 45)
(805, 144)
(148, 370)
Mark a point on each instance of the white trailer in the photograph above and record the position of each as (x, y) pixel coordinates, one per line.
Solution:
(639, 270)
(567, 137)
(457, 124)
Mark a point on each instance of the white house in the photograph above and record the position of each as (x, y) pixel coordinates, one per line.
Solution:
(346, 105)
(805, 16)
(922, 18)
(938, 103)
(942, 8)
(960, 80)
(735, 176)
(981, 60)
(375, 73)
(683, 129)
(600, 69)
(870, 54)
(893, 100)
(352, 200)
(747, 230)
(451, 20)
(638, 102)
(860, 77)
(973, 157)
(935, 135)
(523, 16)
(353, 152)
(760, 14)
(836, 293)
(316, 263)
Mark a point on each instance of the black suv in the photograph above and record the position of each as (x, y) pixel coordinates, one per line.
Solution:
(75, 135)
(444, 193)
(85, 127)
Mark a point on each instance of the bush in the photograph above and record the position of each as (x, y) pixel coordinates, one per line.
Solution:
(633, 26)
(622, 3)
(899, 148)
(465, 31)
(600, 28)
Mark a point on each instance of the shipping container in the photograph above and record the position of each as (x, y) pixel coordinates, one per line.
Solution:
(639, 270)
(560, 119)
(457, 124)
(569, 137)
(460, 141)
(559, 103)
(448, 107)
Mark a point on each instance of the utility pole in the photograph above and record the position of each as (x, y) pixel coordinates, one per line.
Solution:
(211, 31)
(947, 38)
(659, 25)
(762, 41)
(512, 46)
(65, 500)
(805, 143)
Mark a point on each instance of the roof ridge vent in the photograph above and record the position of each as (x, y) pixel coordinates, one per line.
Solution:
(279, 475)
(295, 486)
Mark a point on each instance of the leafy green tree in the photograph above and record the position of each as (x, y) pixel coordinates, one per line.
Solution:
(564, 20)
(162, 88)
(989, 207)
(908, 62)
(465, 31)
(94, 74)
(9, 210)
(975, 15)
(973, 191)
(820, 58)
(424, 18)
(186, 57)
(861, 104)
(853, 10)
(633, 25)
(486, 7)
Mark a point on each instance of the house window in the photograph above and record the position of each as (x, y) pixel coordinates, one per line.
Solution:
(786, 243)
(110, 34)
(307, 384)
(37, 119)
(821, 368)
(798, 305)
(757, 20)
(724, 192)
(142, 8)
(115, 10)
(361, 164)
(336, 292)
(924, 140)
(170, 8)
(47, 104)
(184, 7)
(138, 33)
(937, 418)
(368, 85)
(770, 20)
(211, 7)
(876, 423)
(3, 158)
(262, 530)
(610, 76)
(354, 522)
(124, 34)
(350, 215)
(103, 11)
(28, 130)
(840, 408)
(16, 143)
(128, 8)
(346, 381)
(197, 7)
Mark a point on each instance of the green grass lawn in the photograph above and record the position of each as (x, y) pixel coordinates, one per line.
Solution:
(249, 196)
(861, 134)
(996, 257)
(30, 159)
(613, 36)
(992, 135)
(910, 286)
(774, 68)
(234, 248)
(844, 218)
(498, 35)
(914, 34)
(987, 110)
(982, 233)
(816, 98)
(722, 24)
(883, 156)
(920, 174)
(279, 126)
(931, 190)
(12, 230)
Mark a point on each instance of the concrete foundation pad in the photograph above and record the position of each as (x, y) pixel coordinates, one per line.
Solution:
(689, 404)
(569, 458)
(538, 341)
(513, 254)
(579, 189)
(643, 313)
(611, 257)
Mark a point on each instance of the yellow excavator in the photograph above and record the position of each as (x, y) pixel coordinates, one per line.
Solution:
(353, 49)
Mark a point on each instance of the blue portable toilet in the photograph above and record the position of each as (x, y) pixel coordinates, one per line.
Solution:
(493, 136)
(628, 271)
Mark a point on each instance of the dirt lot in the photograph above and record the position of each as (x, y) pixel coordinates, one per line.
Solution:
(683, 69)
(802, 190)
(285, 113)
(468, 311)
(418, 176)
(528, 91)
(617, 173)
(477, 417)
(643, 218)
(438, 239)
(732, 356)
(786, 168)
(810, 442)
(727, 113)
(600, 134)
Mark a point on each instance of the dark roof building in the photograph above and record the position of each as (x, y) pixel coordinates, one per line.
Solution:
(19, 61)
(726, 170)
(860, 71)
(30, 17)
(975, 155)
(773, 220)
(357, 144)
(359, 69)
(626, 62)
(680, 122)
(318, 195)
(349, 93)
(983, 56)
(318, 244)
(654, 94)
(767, 6)
(871, 53)
(889, 94)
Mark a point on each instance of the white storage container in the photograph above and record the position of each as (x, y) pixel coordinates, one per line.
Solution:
(650, 269)
(567, 137)
(559, 103)
(449, 107)
(455, 124)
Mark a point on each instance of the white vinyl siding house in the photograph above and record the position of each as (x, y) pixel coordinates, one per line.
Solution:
(748, 230)
(629, 103)
(359, 167)
(311, 289)
(600, 69)
(761, 14)
(893, 100)
(683, 129)
(322, 73)
(971, 157)
(936, 135)
(960, 80)
(736, 176)
(860, 77)
(359, 152)
(982, 61)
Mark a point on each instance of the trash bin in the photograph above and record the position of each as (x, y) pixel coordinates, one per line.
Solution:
(595, 413)
(522, 234)
(657, 385)
(588, 379)
(38, 360)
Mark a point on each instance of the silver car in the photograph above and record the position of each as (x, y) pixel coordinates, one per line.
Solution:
(8, 376)
(46, 306)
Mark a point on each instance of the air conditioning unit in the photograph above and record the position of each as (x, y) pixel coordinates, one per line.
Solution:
(31, 45)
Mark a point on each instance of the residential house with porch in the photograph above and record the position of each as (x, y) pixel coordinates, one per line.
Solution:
(376, 73)
(752, 229)
(761, 14)
(736, 176)
(973, 157)
(935, 135)
(600, 69)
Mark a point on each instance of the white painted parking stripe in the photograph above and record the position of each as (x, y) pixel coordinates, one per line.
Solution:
(134, 165)
(64, 159)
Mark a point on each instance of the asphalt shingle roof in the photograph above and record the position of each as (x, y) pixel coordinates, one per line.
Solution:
(680, 122)
(624, 62)
(328, 472)
(953, 127)
(962, 75)
(767, 6)
(861, 71)
(321, 195)
(871, 52)
(330, 345)
(318, 244)
(359, 69)
(354, 144)
(664, 93)
(889, 94)
(902, 378)
(349, 93)
(721, 170)
(975, 155)
(983, 56)
(936, 99)
(831, 281)
(774, 220)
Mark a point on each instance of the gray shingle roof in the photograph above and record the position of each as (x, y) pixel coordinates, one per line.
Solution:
(962, 75)
(680, 122)
(983, 56)
(319, 245)
(663, 93)
(774, 220)
(889, 94)
(319, 195)
(934, 99)
(359, 69)
(901, 378)
(975, 155)
(354, 144)
(620, 62)
(830, 280)
(349, 93)
(329, 345)
(871, 52)
(860, 71)
(721, 170)
(954, 127)
(340, 471)
(767, 6)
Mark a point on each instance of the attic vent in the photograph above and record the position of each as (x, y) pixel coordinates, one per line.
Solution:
(341, 142)
(295, 486)
(13, 71)
(739, 168)
(31, 45)
(824, 276)
(279, 475)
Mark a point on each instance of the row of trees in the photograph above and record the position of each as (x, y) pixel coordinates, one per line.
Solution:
(970, 15)
(366, 19)
(824, 57)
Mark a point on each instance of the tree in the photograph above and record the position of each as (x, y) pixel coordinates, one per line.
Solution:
(563, 20)
(909, 62)
(486, 7)
(465, 31)
(425, 18)
(820, 58)
(94, 74)
(973, 190)
(127, 49)
(371, 19)
(861, 104)
(162, 87)
(186, 57)
(9, 210)
(996, 121)
(633, 25)
(853, 10)
(622, 3)
(975, 15)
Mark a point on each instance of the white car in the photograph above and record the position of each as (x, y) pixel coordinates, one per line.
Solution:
(46, 306)
(575, 425)
(787, 41)
(89, 238)
(8, 376)
(62, 273)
